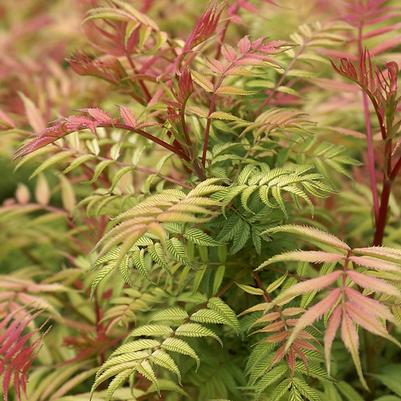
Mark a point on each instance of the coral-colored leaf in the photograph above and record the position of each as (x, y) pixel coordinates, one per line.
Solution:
(127, 116)
(244, 45)
(367, 320)
(375, 307)
(330, 333)
(349, 335)
(185, 85)
(204, 28)
(373, 283)
(49, 135)
(98, 114)
(314, 284)
(314, 313)
(376, 264)
(16, 352)
(33, 114)
(394, 41)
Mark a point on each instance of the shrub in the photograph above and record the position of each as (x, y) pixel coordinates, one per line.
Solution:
(212, 206)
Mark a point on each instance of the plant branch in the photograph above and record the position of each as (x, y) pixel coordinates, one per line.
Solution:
(385, 196)
(212, 106)
(148, 136)
(212, 109)
(258, 281)
(141, 83)
(282, 79)
(142, 169)
(382, 218)
(184, 125)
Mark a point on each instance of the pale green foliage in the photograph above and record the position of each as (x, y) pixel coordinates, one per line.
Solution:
(271, 185)
(167, 335)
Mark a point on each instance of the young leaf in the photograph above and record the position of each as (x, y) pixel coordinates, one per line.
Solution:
(315, 284)
(304, 256)
(314, 313)
(373, 283)
(330, 333)
(313, 234)
(350, 338)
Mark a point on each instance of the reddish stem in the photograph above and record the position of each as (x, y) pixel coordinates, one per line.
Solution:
(385, 196)
(148, 136)
(184, 125)
(141, 83)
(382, 218)
(212, 106)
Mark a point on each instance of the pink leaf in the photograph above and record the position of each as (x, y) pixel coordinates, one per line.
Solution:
(228, 53)
(350, 338)
(304, 345)
(33, 114)
(216, 66)
(376, 264)
(368, 303)
(369, 320)
(382, 30)
(314, 313)
(314, 284)
(270, 317)
(386, 45)
(127, 116)
(235, 19)
(16, 355)
(291, 359)
(365, 319)
(204, 28)
(108, 68)
(279, 355)
(330, 333)
(75, 123)
(273, 327)
(335, 85)
(185, 85)
(300, 354)
(99, 115)
(374, 284)
(244, 45)
(49, 135)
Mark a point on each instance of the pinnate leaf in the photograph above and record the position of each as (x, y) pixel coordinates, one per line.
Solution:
(315, 284)
(313, 234)
(314, 313)
(373, 283)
